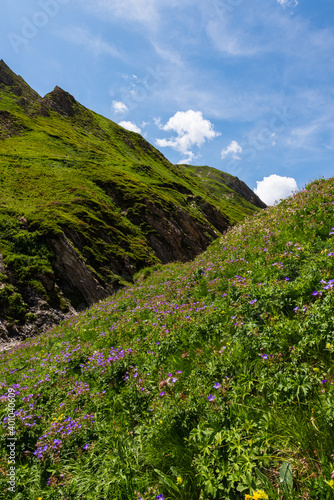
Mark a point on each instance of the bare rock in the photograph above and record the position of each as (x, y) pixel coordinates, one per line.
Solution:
(72, 267)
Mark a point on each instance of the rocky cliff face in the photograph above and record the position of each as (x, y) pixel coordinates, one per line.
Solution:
(241, 188)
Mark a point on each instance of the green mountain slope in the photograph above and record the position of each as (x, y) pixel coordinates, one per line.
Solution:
(85, 204)
(212, 379)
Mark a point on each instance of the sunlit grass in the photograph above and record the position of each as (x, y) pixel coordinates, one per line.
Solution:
(207, 380)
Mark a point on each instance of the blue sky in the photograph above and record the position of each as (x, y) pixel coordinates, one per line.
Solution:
(243, 86)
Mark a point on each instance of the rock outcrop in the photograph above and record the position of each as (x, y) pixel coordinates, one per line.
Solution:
(74, 272)
(60, 101)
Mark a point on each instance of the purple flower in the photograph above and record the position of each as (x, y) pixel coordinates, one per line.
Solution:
(85, 447)
(160, 497)
(330, 254)
(216, 385)
(323, 381)
(211, 397)
(253, 301)
(161, 393)
(296, 309)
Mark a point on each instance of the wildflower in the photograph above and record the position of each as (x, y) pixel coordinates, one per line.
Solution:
(161, 394)
(331, 483)
(328, 346)
(258, 495)
(179, 480)
(330, 254)
(160, 497)
(253, 301)
(211, 397)
(216, 385)
(86, 446)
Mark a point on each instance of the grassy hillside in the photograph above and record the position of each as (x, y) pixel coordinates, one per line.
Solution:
(206, 380)
(72, 179)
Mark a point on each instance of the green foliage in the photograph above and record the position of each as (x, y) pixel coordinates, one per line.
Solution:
(286, 477)
(88, 178)
(207, 380)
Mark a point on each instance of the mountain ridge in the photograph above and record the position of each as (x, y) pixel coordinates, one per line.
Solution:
(86, 204)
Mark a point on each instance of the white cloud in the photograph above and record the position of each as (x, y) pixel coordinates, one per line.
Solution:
(192, 130)
(274, 188)
(130, 126)
(119, 107)
(94, 44)
(233, 149)
(288, 3)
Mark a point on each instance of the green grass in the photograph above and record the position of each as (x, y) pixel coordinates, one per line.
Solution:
(207, 380)
(87, 177)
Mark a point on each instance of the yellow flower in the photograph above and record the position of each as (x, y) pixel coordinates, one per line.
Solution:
(328, 346)
(315, 369)
(331, 483)
(179, 480)
(260, 495)
(248, 497)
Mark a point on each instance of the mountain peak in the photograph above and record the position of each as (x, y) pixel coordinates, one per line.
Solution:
(60, 101)
(7, 76)
(16, 85)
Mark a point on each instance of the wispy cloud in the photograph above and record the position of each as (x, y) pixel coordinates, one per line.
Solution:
(93, 43)
(140, 11)
(288, 3)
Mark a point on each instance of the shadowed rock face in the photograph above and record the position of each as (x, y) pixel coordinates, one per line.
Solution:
(75, 272)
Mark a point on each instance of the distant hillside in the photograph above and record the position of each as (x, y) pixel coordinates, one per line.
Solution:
(85, 204)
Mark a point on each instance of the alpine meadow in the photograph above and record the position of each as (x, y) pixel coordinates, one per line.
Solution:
(165, 334)
(211, 379)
